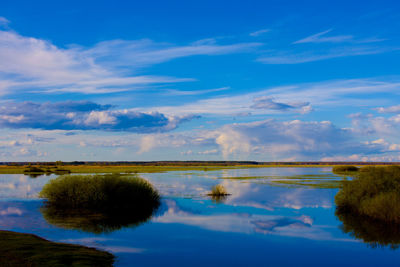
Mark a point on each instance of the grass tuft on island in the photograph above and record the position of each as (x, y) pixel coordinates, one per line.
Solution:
(99, 203)
(374, 193)
(17, 249)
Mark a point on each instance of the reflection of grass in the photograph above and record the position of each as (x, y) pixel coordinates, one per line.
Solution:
(99, 203)
(95, 222)
(18, 249)
(374, 233)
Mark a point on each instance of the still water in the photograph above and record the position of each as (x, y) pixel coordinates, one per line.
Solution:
(273, 217)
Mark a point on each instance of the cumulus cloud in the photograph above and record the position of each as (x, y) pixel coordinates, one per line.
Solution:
(391, 109)
(84, 115)
(281, 138)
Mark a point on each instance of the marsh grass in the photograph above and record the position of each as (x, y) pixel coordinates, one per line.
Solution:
(218, 190)
(218, 193)
(320, 181)
(98, 203)
(374, 193)
(17, 249)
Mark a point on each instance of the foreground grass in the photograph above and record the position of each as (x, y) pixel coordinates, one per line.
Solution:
(18, 249)
(374, 193)
(98, 203)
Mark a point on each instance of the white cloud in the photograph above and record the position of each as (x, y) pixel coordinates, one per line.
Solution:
(322, 38)
(298, 98)
(259, 32)
(391, 109)
(4, 21)
(36, 65)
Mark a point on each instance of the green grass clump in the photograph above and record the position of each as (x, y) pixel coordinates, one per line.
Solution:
(98, 203)
(218, 193)
(344, 169)
(109, 192)
(218, 190)
(17, 249)
(374, 193)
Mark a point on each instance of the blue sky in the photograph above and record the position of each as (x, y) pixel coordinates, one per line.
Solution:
(209, 80)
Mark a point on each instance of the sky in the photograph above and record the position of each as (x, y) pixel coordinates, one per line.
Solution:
(199, 80)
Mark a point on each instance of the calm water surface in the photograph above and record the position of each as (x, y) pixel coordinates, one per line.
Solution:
(262, 223)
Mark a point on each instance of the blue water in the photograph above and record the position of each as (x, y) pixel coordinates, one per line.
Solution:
(260, 224)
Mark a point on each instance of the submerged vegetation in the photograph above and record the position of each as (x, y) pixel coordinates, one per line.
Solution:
(17, 249)
(374, 193)
(99, 203)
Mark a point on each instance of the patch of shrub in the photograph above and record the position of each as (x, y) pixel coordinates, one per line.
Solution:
(218, 190)
(218, 193)
(344, 169)
(374, 193)
(98, 203)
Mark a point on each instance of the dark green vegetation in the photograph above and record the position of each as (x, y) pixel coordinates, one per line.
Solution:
(18, 249)
(345, 169)
(99, 203)
(374, 193)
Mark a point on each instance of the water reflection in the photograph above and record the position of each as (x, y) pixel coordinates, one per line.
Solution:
(374, 233)
(219, 199)
(96, 222)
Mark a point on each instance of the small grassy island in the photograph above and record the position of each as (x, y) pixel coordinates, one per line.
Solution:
(34, 171)
(218, 193)
(99, 203)
(17, 249)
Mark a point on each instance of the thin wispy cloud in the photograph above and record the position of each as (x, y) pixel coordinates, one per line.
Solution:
(259, 32)
(4, 21)
(322, 38)
(195, 92)
(293, 57)
(297, 98)
(36, 65)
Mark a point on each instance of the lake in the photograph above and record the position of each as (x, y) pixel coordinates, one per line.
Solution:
(273, 217)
